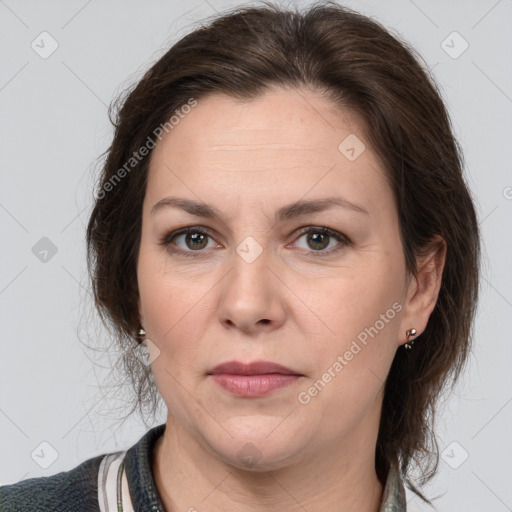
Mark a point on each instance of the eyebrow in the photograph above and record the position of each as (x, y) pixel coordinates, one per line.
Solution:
(302, 207)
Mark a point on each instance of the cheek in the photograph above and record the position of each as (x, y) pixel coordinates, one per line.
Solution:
(172, 312)
(351, 365)
(366, 300)
(363, 312)
(177, 311)
(166, 293)
(172, 308)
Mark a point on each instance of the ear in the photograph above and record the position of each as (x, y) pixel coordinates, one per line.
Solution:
(423, 289)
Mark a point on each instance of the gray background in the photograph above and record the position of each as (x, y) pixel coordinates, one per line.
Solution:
(54, 125)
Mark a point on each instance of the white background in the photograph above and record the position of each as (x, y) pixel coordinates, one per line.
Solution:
(54, 124)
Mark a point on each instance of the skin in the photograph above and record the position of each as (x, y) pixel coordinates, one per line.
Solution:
(248, 159)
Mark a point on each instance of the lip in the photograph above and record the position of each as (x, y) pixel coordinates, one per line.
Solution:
(253, 368)
(255, 379)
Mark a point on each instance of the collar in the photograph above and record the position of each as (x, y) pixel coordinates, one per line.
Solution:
(393, 496)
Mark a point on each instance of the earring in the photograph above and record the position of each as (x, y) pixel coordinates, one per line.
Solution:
(409, 333)
(140, 334)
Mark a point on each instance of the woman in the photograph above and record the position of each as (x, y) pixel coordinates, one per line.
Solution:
(283, 222)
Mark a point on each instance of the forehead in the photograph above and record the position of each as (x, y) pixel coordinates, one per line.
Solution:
(281, 118)
(284, 143)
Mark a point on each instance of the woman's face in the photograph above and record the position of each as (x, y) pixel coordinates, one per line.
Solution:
(249, 285)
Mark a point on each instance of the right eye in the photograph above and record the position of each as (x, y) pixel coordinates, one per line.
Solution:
(194, 238)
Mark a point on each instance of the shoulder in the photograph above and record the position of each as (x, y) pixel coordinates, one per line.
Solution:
(74, 490)
(105, 482)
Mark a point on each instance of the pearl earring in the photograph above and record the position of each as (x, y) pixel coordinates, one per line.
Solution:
(140, 334)
(409, 333)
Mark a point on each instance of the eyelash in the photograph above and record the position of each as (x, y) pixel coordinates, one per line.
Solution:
(344, 241)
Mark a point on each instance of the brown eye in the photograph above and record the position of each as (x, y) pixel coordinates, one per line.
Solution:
(195, 240)
(187, 241)
(318, 241)
(319, 238)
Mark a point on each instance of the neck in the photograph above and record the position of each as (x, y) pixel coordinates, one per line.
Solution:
(190, 477)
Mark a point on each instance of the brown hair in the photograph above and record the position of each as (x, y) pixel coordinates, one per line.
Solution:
(362, 67)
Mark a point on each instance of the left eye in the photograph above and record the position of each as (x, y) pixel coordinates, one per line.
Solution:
(319, 238)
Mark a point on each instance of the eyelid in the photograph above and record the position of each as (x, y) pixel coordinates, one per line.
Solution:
(343, 240)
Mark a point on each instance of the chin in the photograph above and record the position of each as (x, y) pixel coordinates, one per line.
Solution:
(258, 447)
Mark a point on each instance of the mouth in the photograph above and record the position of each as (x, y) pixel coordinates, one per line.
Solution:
(254, 368)
(254, 379)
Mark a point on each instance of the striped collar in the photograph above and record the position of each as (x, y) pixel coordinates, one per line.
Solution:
(127, 475)
(113, 490)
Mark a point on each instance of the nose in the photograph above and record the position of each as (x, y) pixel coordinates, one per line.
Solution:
(252, 297)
